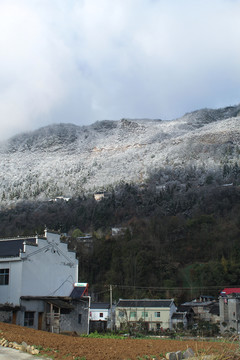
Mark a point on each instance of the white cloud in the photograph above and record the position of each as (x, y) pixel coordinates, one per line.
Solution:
(83, 60)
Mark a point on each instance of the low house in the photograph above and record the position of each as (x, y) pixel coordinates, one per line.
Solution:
(101, 195)
(38, 279)
(100, 317)
(119, 231)
(153, 315)
(55, 313)
(98, 196)
(179, 320)
(201, 309)
(187, 309)
(86, 243)
(229, 304)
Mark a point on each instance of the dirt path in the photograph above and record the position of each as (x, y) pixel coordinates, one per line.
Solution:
(77, 348)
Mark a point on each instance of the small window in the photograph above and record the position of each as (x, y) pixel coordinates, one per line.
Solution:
(4, 276)
(121, 313)
(144, 314)
(79, 318)
(157, 314)
(29, 318)
(133, 314)
(158, 326)
(101, 314)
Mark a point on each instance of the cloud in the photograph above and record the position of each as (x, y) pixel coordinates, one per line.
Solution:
(84, 60)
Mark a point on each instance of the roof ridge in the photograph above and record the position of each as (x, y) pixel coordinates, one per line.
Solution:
(18, 238)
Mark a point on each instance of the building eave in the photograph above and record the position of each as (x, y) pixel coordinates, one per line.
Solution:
(10, 258)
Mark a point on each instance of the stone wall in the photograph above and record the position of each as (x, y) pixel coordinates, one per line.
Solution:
(6, 316)
(76, 319)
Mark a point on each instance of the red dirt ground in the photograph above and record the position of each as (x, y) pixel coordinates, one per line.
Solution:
(78, 348)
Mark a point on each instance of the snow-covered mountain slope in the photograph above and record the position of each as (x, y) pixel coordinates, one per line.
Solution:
(66, 159)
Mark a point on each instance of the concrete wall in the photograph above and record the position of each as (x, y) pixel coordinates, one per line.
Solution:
(10, 294)
(49, 269)
(37, 306)
(229, 315)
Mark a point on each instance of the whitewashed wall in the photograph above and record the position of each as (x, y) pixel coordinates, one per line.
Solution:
(95, 314)
(48, 269)
(9, 294)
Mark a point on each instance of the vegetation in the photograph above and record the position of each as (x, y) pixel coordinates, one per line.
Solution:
(177, 241)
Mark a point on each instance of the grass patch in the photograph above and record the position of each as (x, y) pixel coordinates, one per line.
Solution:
(97, 335)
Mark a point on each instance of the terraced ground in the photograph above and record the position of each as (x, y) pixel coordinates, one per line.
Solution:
(83, 348)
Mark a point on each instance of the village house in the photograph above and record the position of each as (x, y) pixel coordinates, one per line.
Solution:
(118, 231)
(179, 320)
(203, 309)
(100, 316)
(187, 309)
(155, 314)
(229, 304)
(39, 285)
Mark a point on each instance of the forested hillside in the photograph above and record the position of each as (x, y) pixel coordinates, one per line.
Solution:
(180, 240)
(173, 186)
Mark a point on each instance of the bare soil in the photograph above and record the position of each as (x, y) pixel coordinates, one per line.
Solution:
(79, 348)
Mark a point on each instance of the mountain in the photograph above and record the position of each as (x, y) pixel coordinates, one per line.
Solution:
(65, 159)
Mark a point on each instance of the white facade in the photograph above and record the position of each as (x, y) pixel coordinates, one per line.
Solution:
(99, 314)
(43, 268)
(155, 313)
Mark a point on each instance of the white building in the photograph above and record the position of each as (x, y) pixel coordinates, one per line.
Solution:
(36, 266)
(100, 316)
(154, 314)
(37, 278)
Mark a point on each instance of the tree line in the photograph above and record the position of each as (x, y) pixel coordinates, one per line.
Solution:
(184, 235)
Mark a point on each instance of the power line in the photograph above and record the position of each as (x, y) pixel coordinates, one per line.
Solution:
(164, 288)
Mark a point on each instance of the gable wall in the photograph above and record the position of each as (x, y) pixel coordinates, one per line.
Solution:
(49, 269)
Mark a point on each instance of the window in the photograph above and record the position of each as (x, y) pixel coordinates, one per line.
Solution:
(157, 314)
(158, 326)
(79, 318)
(101, 314)
(4, 276)
(121, 313)
(133, 314)
(29, 318)
(144, 314)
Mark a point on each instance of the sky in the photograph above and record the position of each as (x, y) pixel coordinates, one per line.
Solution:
(79, 61)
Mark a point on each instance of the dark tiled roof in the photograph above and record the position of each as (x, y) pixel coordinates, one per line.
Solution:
(185, 308)
(198, 303)
(11, 247)
(207, 297)
(100, 305)
(178, 315)
(145, 303)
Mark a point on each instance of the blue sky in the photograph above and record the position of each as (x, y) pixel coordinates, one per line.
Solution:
(80, 61)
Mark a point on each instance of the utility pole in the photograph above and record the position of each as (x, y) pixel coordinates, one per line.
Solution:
(111, 317)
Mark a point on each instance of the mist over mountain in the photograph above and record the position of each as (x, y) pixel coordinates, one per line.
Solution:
(68, 160)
